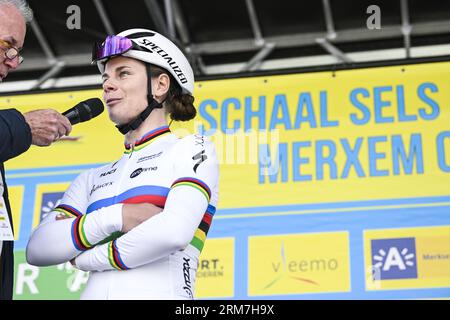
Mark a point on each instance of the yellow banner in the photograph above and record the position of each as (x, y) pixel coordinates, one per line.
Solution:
(215, 273)
(95, 141)
(356, 134)
(301, 263)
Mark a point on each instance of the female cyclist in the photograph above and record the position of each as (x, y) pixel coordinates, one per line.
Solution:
(138, 224)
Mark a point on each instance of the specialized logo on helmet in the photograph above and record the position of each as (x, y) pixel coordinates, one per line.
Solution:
(152, 48)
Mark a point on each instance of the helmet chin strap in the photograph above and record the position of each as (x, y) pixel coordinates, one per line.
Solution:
(152, 104)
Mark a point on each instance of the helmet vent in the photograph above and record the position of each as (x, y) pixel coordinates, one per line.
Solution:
(140, 35)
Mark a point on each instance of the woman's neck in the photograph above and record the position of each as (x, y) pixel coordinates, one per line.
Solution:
(156, 119)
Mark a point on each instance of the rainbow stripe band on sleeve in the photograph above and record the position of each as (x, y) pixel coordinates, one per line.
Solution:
(114, 257)
(200, 235)
(68, 211)
(195, 183)
(78, 236)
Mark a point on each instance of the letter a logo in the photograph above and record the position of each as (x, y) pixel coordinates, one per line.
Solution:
(374, 21)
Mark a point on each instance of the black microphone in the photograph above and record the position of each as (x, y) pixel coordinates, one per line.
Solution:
(84, 111)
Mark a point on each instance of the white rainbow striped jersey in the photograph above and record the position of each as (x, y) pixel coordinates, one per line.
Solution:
(157, 259)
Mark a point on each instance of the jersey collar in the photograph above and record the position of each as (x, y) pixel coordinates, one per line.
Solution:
(147, 139)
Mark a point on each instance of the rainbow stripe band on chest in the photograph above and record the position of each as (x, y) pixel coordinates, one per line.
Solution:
(147, 139)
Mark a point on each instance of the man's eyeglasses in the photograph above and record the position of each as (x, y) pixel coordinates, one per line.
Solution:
(11, 52)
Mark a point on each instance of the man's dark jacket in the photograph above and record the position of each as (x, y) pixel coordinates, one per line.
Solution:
(15, 138)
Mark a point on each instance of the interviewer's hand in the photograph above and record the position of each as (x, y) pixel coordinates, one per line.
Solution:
(47, 126)
(135, 214)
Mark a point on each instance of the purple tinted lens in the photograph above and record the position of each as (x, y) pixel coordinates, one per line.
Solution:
(112, 46)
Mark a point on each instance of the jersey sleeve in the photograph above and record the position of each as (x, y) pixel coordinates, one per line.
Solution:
(195, 174)
(57, 241)
(197, 166)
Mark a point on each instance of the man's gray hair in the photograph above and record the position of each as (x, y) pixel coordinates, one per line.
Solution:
(22, 6)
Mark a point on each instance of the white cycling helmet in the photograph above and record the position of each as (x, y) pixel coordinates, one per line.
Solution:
(150, 47)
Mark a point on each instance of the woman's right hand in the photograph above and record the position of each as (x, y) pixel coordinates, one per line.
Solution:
(134, 214)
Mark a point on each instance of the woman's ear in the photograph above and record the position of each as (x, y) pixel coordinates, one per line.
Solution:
(161, 86)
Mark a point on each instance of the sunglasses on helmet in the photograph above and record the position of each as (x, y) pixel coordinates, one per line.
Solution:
(112, 46)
